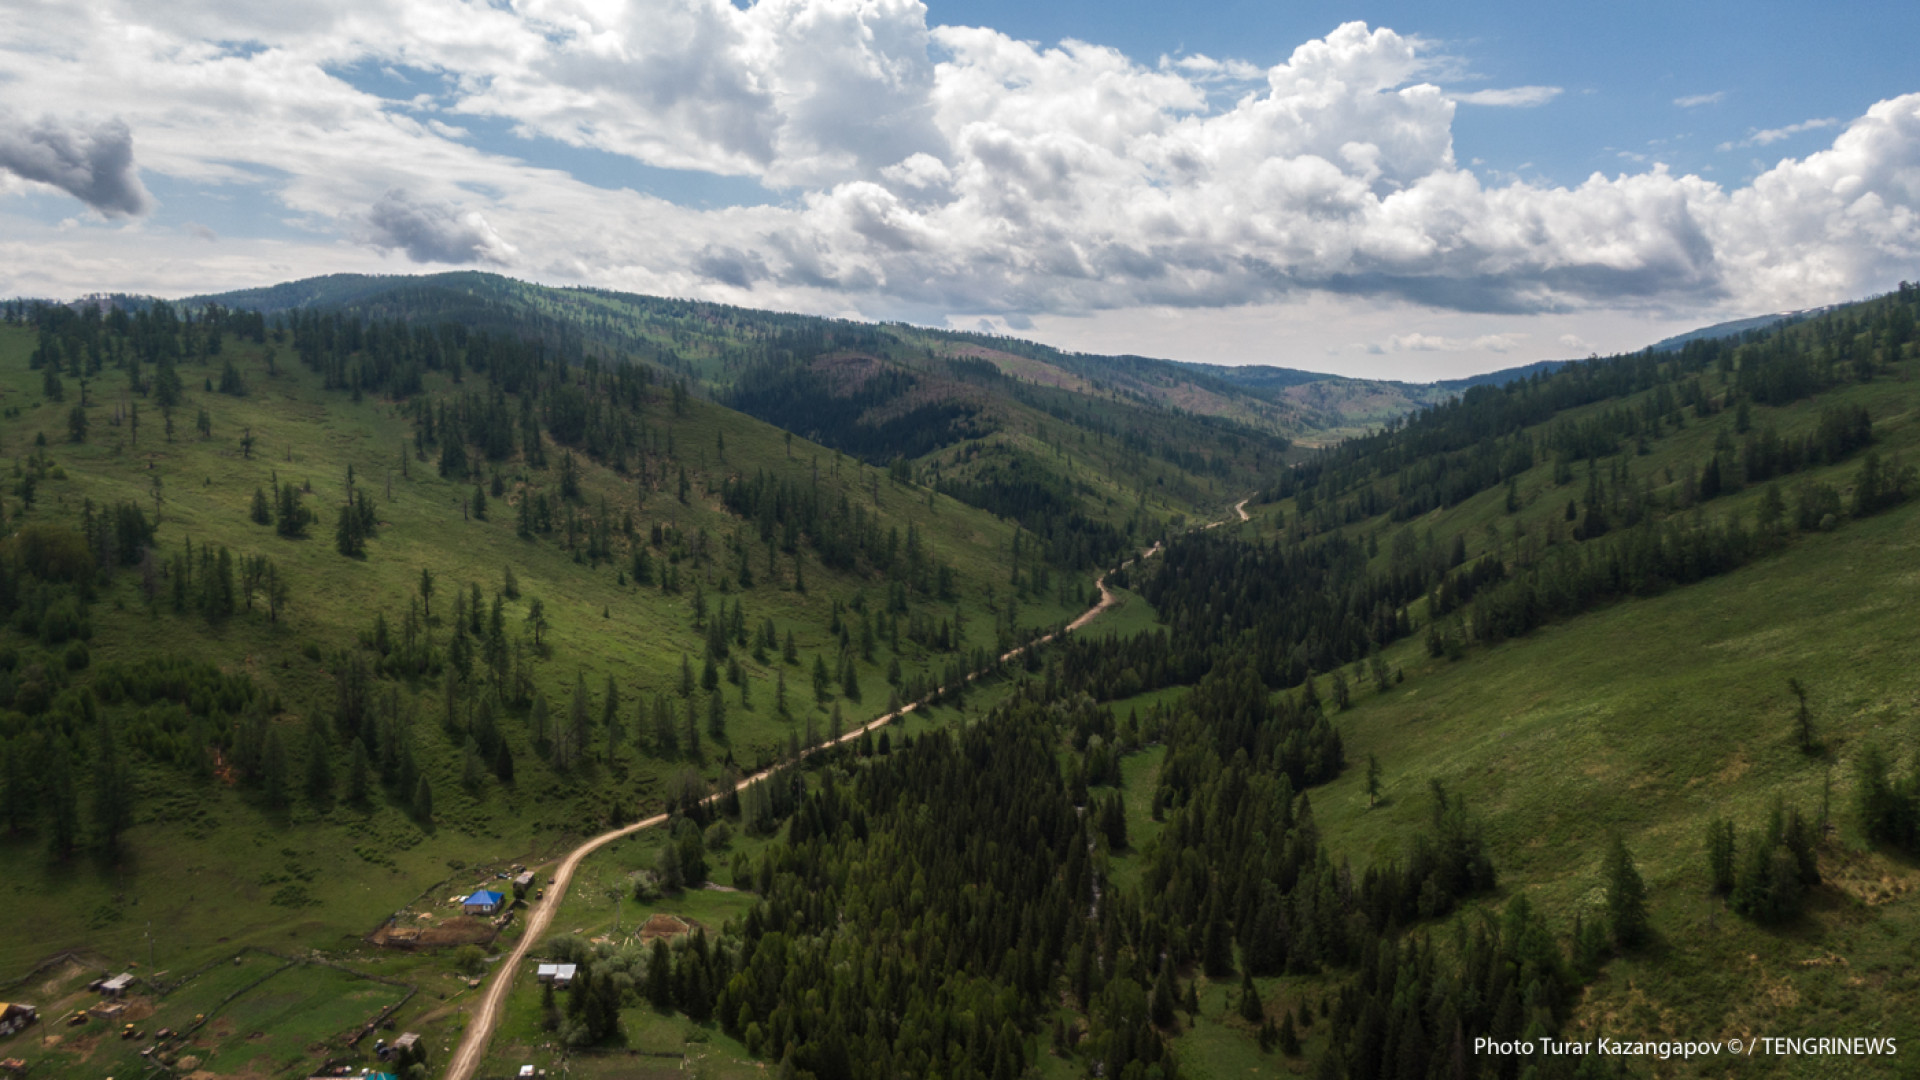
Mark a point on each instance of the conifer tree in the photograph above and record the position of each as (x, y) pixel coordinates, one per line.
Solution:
(112, 788)
(666, 738)
(273, 769)
(1162, 1000)
(359, 773)
(319, 766)
(822, 680)
(1251, 1009)
(1721, 855)
(62, 804)
(1626, 896)
(17, 801)
(1802, 718)
(575, 742)
(349, 538)
(610, 716)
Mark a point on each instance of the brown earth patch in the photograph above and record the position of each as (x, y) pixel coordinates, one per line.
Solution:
(85, 1045)
(662, 925)
(458, 930)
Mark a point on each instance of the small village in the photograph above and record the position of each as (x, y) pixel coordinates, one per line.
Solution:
(74, 1017)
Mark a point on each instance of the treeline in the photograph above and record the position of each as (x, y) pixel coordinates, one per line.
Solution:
(1442, 456)
(1655, 555)
(82, 340)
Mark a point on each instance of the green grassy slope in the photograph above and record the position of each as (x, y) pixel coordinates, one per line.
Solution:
(207, 863)
(1650, 718)
(1653, 715)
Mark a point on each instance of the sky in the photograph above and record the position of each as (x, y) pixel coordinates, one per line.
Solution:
(1409, 191)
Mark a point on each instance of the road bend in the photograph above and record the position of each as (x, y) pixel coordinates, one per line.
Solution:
(481, 1024)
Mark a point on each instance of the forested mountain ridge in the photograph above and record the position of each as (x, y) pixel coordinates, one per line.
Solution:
(720, 345)
(1538, 713)
(955, 411)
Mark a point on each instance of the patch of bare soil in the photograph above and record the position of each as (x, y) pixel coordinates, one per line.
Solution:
(459, 930)
(662, 925)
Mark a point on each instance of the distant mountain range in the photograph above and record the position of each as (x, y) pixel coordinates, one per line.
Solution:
(1311, 408)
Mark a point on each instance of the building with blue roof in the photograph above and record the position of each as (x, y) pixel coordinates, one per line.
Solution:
(484, 902)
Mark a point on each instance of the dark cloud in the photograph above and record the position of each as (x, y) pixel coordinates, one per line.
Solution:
(434, 232)
(93, 165)
(730, 266)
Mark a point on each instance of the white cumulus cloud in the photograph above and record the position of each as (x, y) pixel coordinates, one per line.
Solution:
(910, 168)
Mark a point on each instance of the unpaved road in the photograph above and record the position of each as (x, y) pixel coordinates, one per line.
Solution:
(1107, 596)
(479, 1031)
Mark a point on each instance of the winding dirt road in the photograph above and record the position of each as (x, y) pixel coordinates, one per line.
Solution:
(480, 1025)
